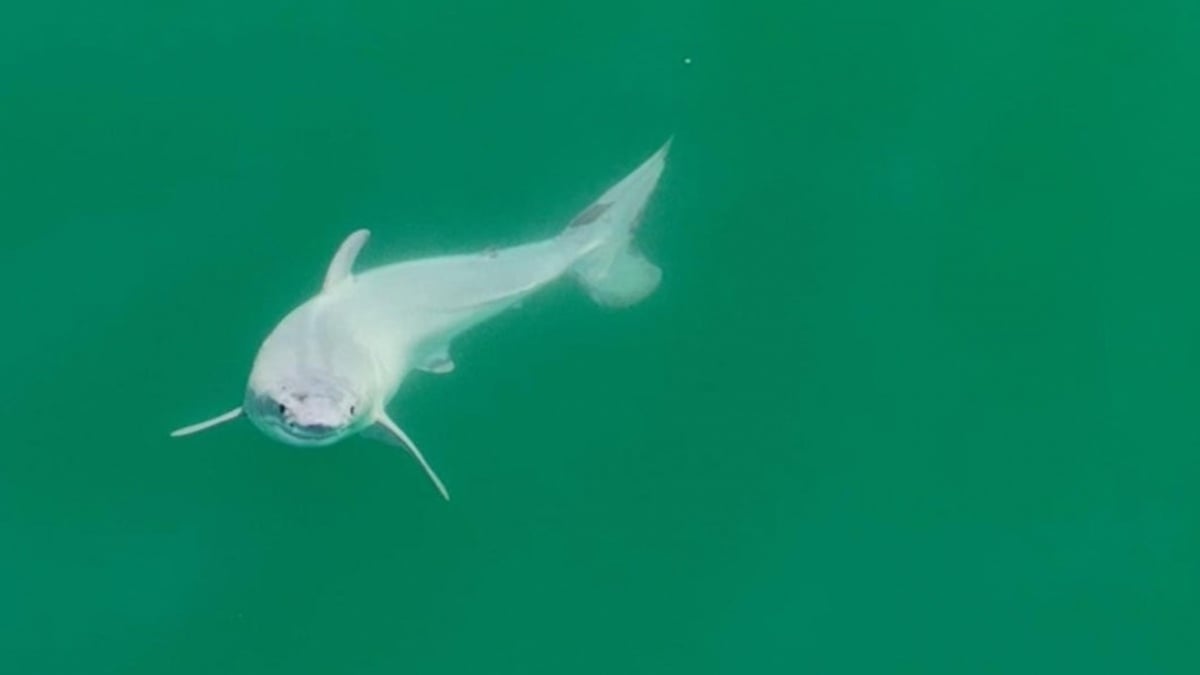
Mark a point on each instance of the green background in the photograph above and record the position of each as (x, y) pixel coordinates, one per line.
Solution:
(917, 394)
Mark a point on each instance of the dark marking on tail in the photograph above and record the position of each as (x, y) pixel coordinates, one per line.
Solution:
(590, 215)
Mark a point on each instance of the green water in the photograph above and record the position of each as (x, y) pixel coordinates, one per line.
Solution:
(916, 396)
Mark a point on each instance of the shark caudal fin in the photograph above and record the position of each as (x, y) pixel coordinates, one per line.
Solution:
(614, 273)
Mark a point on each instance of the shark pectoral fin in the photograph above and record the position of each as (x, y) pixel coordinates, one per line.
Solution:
(439, 362)
(390, 431)
(342, 265)
(207, 424)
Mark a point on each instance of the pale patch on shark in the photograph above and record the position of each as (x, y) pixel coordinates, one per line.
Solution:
(330, 367)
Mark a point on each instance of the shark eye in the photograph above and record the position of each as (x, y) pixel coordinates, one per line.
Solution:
(352, 409)
(282, 409)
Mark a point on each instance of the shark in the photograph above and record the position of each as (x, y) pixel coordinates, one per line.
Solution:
(329, 369)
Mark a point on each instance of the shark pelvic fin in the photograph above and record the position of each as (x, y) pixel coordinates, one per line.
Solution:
(393, 433)
(438, 362)
(207, 424)
(341, 267)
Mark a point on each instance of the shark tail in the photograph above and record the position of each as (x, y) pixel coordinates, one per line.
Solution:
(613, 271)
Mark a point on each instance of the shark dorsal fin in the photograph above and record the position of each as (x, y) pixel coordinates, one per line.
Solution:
(342, 265)
(384, 426)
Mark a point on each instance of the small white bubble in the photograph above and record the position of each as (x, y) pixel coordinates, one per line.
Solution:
(687, 60)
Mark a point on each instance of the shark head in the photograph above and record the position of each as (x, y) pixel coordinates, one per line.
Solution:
(307, 411)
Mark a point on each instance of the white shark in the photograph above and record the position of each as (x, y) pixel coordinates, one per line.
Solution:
(330, 367)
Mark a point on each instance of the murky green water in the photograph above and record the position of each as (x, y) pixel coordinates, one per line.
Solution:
(917, 393)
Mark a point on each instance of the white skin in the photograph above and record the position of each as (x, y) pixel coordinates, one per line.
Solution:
(330, 367)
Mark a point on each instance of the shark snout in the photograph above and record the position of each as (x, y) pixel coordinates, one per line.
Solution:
(319, 413)
(307, 413)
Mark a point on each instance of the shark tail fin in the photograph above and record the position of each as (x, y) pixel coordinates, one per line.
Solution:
(618, 275)
(613, 272)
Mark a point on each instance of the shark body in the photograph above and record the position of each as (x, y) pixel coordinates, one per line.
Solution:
(330, 367)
